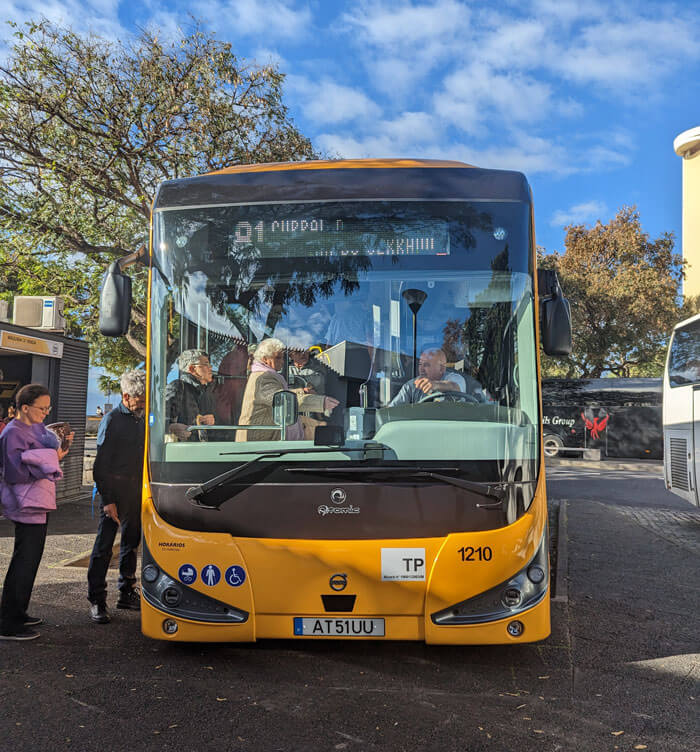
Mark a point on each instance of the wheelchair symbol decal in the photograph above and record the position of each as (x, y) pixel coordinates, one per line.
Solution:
(235, 576)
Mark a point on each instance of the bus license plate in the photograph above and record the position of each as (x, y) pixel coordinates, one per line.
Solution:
(323, 627)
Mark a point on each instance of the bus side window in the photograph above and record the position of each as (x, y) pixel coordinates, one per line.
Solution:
(684, 362)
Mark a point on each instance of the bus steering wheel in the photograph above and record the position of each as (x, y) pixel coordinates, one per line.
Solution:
(449, 397)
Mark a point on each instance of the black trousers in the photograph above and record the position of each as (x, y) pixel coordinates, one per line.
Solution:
(130, 523)
(19, 581)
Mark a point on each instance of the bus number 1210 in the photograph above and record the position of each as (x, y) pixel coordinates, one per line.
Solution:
(481, 553)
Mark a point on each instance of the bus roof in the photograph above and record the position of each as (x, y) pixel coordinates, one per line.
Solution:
(344, 180)
(335, 164)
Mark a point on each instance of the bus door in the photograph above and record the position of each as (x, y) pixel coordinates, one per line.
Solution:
(694, 451)
(682, 442)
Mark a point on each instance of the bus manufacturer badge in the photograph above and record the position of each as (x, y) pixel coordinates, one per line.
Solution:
(338, 582)
(338, 495)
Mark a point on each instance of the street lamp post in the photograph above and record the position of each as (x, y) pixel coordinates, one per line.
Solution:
(415, 299)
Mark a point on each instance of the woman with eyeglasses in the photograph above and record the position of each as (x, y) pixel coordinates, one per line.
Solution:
(29, 469)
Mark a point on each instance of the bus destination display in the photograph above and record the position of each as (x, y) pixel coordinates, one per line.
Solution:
(327, 238)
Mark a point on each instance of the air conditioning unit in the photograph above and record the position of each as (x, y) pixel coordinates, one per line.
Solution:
(4, 310)
(39, 312)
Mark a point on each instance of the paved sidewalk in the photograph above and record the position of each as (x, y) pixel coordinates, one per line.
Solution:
(642, 466)
(621, 670)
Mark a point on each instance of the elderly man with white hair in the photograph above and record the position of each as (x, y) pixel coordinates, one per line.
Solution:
(264, 382)
(189, 399)
(118, 474)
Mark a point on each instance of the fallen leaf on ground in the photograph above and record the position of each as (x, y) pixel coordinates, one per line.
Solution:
(617, 733)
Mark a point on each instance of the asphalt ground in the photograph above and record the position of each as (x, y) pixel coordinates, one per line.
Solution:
(620, 671)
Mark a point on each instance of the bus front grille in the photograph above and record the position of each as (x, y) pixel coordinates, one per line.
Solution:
(679, 463)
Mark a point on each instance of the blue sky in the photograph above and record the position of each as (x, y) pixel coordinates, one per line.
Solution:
(584, 97)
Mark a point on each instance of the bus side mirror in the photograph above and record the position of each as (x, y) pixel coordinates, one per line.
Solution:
(115, 302)
(556, 325)
(285, 410)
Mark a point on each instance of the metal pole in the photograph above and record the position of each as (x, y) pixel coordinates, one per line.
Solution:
(415, 336)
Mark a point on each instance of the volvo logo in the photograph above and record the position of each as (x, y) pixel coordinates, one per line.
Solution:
(338, 496)
(338, 582)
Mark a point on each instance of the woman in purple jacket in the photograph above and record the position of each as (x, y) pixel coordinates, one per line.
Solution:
(26, 432)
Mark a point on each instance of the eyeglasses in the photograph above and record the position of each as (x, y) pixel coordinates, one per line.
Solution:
(45, 410)
(203, 365)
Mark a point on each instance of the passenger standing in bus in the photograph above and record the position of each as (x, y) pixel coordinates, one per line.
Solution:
(264, 382)
(118, 473)
(308, 374)
(189, 400)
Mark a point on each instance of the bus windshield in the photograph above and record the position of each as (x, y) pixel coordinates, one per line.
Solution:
(405, 324)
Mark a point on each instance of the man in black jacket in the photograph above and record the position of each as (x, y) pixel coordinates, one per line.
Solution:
(118, 472)
(189, 399)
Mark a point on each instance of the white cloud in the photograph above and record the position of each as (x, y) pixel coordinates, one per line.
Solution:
(401, 43)
(590, 211)
(625, 52)
(266, 56)
(95, 16)
(407, 26)
(620, 48)
(523, 152)
(272, 19)
(476, 95)
(569, 11)
(420, 135)
(509, 44)
(326, 102)
(411, 134)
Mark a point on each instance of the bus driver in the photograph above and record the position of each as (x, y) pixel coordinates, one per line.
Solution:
(433, 376)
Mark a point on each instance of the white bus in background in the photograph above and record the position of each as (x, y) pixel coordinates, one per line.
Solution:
(681, 411)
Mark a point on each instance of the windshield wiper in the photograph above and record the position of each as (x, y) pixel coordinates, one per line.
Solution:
(487, 490)
(196, 494)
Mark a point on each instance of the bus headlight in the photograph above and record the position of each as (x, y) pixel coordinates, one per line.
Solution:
(164, 592)
(517, 594)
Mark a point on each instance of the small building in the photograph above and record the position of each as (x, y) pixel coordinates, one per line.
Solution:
(61, 364)
(687, 146)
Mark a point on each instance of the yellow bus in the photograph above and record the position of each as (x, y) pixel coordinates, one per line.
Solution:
(410, 504)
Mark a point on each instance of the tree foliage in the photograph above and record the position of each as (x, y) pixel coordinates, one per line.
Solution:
(624, 293)
(88, 129)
